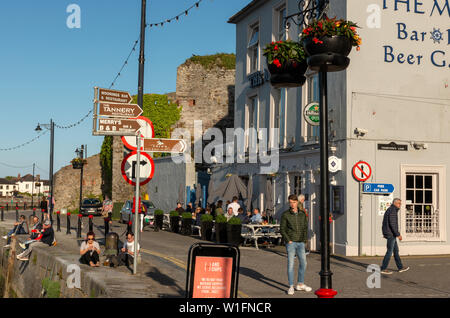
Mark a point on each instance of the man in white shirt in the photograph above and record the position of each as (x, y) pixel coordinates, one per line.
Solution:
(127, 253)
(235, 206)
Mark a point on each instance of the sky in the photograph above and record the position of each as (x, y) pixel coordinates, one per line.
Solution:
(48, 71)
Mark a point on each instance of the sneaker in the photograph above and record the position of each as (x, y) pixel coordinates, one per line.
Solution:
(386, 272)
(303, 287)
(7, 246)
(4, 237)
(290, 290)
(22, 245)
(404, 269)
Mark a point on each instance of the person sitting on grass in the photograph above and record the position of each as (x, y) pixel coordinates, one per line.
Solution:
(126, 255)
(19, 228)
(90, 251)
(46, 237)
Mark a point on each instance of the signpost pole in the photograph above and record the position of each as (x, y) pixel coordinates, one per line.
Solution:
(360, 185)
(138, 137)
(136, 204)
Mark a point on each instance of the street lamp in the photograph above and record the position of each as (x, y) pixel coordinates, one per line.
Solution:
(51, 127)
(80, 154)
(310, 10)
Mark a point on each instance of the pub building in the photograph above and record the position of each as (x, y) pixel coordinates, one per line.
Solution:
(390, 109)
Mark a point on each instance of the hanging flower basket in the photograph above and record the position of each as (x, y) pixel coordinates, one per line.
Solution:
(328, 42)
(287, 64)
(78, 163)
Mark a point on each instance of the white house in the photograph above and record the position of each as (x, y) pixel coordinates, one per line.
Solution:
(7, 187)
(390, 108)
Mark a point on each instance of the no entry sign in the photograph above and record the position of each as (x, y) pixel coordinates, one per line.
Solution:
(361, 171)
(146, 170)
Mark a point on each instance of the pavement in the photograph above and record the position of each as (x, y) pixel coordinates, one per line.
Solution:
(262, 272)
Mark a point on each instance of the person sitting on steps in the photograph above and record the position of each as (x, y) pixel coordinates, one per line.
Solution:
(90, 251)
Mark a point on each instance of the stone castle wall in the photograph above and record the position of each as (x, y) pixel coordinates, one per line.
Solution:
(205, 94)
(67, 183)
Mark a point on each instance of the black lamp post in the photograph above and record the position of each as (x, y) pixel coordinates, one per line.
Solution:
(51, 127)
(310, 10)
(80, 154)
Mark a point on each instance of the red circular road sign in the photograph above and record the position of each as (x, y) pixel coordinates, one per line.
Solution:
(147, 168)
(147, 131)
(361, 171)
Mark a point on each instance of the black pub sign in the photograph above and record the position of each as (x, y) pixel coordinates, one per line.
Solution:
(392, 146)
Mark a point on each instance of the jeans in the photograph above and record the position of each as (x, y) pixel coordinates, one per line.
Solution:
(293, 249)
(392, 246)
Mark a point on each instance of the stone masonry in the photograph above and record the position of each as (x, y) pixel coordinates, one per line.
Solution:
(205, 94)
(67, 183)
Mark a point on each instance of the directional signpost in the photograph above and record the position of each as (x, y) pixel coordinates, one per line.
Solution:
(119, 110)
(378, 188)
(113, 113)
(117, 125)
(164, 145)
(113, 96)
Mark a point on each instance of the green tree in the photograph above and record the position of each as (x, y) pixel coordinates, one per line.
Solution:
(162, 112)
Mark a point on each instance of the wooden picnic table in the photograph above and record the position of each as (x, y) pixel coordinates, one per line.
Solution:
(254, 232)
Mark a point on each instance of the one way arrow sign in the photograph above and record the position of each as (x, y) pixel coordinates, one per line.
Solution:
(146, 170)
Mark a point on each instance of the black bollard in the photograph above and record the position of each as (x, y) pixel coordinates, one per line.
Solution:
(3, 215)
(7, 207)
(58, 222)
(24, 205)
(17, 214)
(34, 211)
(106, 226)
(68, 223)
(79, 225)
(91, 226)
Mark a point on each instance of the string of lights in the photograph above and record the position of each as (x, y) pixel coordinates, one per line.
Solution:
(25, 143)
(16, 167)
(133, 49)
(177, 17)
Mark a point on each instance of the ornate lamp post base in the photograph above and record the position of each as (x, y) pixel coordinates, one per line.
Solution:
(325, 293)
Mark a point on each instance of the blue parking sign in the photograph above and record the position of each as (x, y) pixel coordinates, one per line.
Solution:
(378, 188)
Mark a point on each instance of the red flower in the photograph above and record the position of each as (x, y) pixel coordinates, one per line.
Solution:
(275, 48)
(320, 25)
(353, 28)
(68, 213)
(316, 40)
(277, 63)
(58, 212)
(273, 43)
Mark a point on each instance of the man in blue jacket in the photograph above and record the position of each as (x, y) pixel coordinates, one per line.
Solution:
(390, 232)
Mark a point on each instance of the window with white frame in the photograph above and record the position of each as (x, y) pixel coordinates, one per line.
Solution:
(422, 218)
(281, 33)
(312, 132)
(252, 121)
(278, 117)
(253, 49)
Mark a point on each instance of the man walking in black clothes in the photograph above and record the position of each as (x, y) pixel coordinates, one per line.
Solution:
(390, 232)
